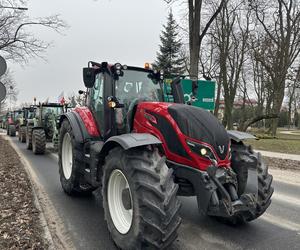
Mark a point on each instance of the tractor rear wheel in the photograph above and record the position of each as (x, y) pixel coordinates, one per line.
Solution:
(29, 137)
(12, 130)
(241, 154)
(38, 141)
(71, 179)
(139, 199)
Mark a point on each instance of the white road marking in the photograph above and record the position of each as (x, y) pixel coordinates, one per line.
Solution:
(285, 198)
(286, 176)
(280, 222)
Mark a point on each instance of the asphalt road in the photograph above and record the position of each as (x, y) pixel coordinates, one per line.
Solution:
(83, 218)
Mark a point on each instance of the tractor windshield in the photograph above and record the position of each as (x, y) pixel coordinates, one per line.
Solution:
(136, 84)
(52, 110)
(133, 86)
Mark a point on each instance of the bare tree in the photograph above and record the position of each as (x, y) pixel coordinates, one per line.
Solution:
(231, 32)
(17, 43)
(292, 87)
(198, 27)
(11, 89)
(280, 20)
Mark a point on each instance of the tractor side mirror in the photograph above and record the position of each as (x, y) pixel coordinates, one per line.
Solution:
(89, 75)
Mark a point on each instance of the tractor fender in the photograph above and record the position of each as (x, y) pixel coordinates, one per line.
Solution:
(127, 141)
(239, 136)
(78, 128)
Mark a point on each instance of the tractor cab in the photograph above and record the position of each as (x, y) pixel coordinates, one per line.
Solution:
(45, 113)
(114, 92)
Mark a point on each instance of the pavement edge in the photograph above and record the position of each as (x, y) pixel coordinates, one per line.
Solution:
(54, 231)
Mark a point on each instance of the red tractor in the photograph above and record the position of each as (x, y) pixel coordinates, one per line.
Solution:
(143, 152)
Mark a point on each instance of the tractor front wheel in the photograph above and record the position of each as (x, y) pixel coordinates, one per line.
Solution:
(22, 133)
(29, 137)
(19, 135)
(139, 199)
(38, 141)
(71, 179)
(12, 130)
(241, 156)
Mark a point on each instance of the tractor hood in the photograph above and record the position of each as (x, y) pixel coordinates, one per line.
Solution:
(201, 125)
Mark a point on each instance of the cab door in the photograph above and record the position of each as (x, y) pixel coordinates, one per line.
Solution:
(97, 102)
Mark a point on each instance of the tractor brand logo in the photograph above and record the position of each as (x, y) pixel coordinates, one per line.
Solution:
(221, 149)
(190, 97)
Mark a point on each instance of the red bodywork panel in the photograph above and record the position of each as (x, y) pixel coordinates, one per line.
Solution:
(143, 124)
(88, 120)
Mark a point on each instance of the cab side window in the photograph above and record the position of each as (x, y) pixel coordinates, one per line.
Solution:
(97, 101)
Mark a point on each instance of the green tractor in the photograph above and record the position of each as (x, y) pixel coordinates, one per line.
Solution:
(43, 127)
(28, 113)
(2, 121)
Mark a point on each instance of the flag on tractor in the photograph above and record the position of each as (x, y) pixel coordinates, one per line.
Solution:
(61, 98)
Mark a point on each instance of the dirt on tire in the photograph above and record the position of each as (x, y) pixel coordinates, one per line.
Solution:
(20, 226)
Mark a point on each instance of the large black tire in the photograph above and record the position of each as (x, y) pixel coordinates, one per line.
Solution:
(154, 202)
(29, 137)
(72, 183)
(38, 141)
(19, 135)
(22, 133)
(12, 130)
(241, 156)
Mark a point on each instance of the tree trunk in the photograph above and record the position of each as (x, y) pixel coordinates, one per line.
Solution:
(278, 99)
(257, 119)
(217, 104)
(227, 121)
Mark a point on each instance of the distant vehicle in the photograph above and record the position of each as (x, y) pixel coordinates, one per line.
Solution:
(28, 113)
(13, 122)
(43, 127)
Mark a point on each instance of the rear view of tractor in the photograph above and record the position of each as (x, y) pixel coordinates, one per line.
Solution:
(13, 122)
(42, 128)
(28, 113)
(143, 152)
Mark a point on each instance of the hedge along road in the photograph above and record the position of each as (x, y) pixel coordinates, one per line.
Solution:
(83, 218)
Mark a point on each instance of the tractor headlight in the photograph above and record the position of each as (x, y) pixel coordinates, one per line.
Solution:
(201, 150)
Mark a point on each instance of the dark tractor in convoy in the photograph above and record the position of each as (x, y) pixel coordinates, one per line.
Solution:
(143, 152)
(13, 122)
(43, 127)
(28, 113)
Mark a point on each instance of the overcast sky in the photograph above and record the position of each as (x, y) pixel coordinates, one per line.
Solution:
(103, 30)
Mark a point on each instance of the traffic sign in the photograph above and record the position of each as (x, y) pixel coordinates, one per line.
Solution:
(2, 92)
(3, 66)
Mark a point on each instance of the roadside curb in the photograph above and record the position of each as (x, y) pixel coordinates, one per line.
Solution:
(54, 231)
(278, 155)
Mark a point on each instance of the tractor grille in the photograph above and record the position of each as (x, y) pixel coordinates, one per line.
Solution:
(199, 124)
